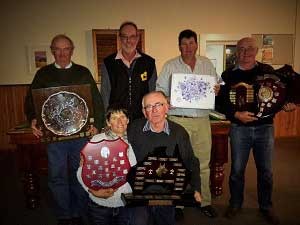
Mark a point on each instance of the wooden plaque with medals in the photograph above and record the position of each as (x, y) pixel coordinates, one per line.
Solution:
(267, 96)
(160, 180)
(64, 112)
(106, 164)
(271, 95)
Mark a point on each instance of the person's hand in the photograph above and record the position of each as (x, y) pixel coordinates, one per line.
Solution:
(197, 196)
(217, 88)
(93, 130)
(81, 160)
(289, 107)
(103, 193)
(35, 130)
(245, 116)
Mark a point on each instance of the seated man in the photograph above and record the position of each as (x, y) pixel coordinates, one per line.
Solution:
(154, 132)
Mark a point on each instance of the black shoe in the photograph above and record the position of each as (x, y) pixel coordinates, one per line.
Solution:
(64, 222)
(231, 212)
(209, 211)
(179, 215)
(270, 216)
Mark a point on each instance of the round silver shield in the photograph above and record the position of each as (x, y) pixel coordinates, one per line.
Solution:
(64, 113)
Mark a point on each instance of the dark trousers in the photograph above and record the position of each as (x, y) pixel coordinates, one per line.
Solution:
(261, 140)
(70, 198)
(154, 215)
(100, 215)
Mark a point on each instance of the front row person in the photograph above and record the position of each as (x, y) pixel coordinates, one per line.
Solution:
(105, 206)
(154, 132)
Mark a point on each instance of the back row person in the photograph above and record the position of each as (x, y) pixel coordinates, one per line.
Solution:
(128, 74)
(63, 157)
(195, 121)
(249, 132)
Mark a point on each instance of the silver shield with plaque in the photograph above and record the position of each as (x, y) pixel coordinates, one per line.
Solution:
(64, 113)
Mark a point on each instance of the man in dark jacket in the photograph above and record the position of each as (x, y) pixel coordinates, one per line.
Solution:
(63, 157)
(249, 131)
(128, 74)
(156, 132)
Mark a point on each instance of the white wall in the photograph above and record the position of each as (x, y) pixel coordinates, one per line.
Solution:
(34, 22)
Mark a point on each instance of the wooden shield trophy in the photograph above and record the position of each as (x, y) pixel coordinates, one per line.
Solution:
(271, 95)
(160, 180)
(64, 112)
(266, 96)
(106, 164)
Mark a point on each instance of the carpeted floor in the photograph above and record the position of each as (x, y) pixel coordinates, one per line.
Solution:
(286, 195)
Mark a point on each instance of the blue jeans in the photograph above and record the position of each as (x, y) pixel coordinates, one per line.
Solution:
(261, 140)
(100, 215)
(70, 198)
(153, 215)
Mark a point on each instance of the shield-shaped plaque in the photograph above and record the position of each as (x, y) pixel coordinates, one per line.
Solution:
(106, 164)
(64, 112)
(271, 95)
(265, 98)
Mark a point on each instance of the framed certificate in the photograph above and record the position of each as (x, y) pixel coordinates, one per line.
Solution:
(192, 91)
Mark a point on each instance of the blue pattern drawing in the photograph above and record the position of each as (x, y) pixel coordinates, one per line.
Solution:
(192, 89)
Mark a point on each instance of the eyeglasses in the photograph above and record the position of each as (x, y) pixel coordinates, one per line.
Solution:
(128, 38)
(249, 49)
(64, 50)
(157, 106)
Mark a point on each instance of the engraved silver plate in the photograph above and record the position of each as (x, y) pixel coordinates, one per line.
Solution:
(64, 113)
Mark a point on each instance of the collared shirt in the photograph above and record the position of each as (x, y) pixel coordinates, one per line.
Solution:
(125, 61)
(237, 66)
(148, 127)
(203, 66)
(59, 67)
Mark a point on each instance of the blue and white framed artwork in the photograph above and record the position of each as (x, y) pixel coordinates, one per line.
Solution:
(192, 91)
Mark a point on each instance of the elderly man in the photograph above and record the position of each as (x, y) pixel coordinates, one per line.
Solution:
(128, 74)
(249, 132)
(63, 157)
(145, 135)
(195, 121)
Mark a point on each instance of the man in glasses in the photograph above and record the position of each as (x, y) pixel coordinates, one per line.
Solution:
(63, 157)
(195, 121)
(155, 131)
(249, 132)
(128, 74)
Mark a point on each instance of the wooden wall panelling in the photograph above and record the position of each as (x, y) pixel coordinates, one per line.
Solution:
(12, 98)
(287, 123)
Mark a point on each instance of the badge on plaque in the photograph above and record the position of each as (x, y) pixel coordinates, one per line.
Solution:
(160, 180)
(106, 164)
(64, 112)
